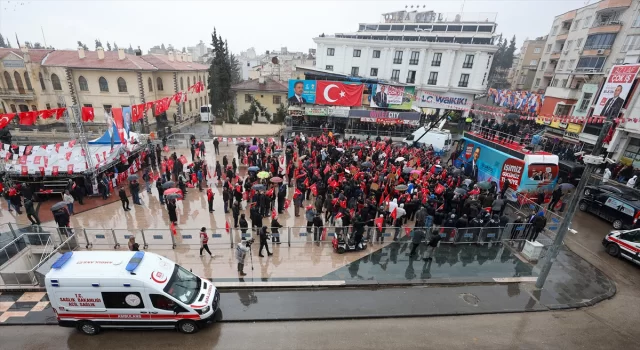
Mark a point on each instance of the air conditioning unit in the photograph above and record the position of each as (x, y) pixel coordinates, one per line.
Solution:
(601, 52)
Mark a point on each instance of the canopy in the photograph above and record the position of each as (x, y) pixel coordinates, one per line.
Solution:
(105, 139)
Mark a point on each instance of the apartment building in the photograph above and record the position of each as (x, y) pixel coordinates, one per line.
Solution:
(525, 66)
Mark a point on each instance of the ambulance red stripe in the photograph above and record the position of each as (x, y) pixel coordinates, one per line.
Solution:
(626, 245)
(127, 316)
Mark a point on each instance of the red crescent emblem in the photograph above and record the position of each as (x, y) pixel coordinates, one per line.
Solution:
(158, 277)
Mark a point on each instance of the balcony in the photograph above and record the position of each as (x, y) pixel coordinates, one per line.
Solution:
(562, 36)
(588, 70)
(549, 72)
(563, 93)
(605, 27)
(555, 55)
(613, 4)
(16, 95)
(602, 50)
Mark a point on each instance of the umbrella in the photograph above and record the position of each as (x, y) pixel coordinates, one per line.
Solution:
(356, 147)
(401, 188)
(240, 143)
(276, 180)
(253, 148)
(340, 149)
(173, 193)
(416, 171)
(132, 177)
(366, 164)
(59, 205)
(457, 171)
(400, 159)
(259, 187)
(467, 182)
(485, 185)
(289, 143)
(263, 175)
(253, 168)
(407, 170)
(168, 184)
(278, 151)
(460, 190)
(566, 186)
(511, 116)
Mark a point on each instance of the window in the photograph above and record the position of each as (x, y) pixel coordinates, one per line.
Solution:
(554, 30)
(104, 86)
(159, 85)
(554, 82)
(433, 78)
(411, 77)
(537, 50)
(533, 63)
(523, 78)
(563, 83)
(181, 84)
(8, 81)
(561, 65)
(484, 79)
(576, 24)
(331, 51)
(395, 75)
(190, 107)
(590, 63)
(184, 108)
(122, 85)
(47, 106)
(82, 83)
(357, 53)
(28, 81)
(584, 103)
(55, 81)
(548, 48)
(374, 72)
(87, 105)
(543, 66)
(376, 53)
(42, 86)
(328, 67)
(587, 21)
(468, 61)
(568, 46)
(355, 71)
(18, 79)
(599, 41)
(161, 302)
(619, 61)
(277, 100)
(578, 44)
(415, 57)
(107, 108)
(437, 58)
(631, 42)
(122, 300)
(464, 80)
(636, 22)
(397, 57)
(189, 82)
(13, 108)
(34, 107)
(150, 83)
(572, 64)
(247, 98)
(537, 83)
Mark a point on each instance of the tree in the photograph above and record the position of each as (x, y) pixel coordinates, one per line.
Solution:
(115, 46)
(184, 49)
(220, 80)
(80, 44)
(98, 44)
(281, 113)
(28, 45)
(37, 45)
(236, 73)
(2, 42)
(108, 46)
(162, 46)
(507, 60)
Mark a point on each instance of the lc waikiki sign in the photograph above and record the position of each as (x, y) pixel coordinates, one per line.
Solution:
(447, 100)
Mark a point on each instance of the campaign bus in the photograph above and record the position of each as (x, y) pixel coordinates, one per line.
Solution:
(528, 171)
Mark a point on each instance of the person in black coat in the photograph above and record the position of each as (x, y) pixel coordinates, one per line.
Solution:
(264, 238)
(123, 198)
(282, 196)
(275, 230)
(256, 218)
(244, 225)
(236, 213)
(171, 208)
(160, 191)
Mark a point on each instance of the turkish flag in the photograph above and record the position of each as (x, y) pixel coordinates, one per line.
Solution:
(46, 162)
(394, 213)
(148, 106)
(287, 203)
(136, 112)
(47, 113)
(274, 214)
(70, 169)
(28, 118)
(24, 170)
(334, 93)
(54, 171)
(57, 146)
(87, 114)
(297, 193)
(22, 160)
(378, 221)
(227, 227)
(37, 159)
(59, 112)
(5, 119)
(67, 156)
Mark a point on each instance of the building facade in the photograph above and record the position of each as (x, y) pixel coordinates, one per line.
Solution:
(43, 79)
(268, 92)
(526, 65)
(436, 52)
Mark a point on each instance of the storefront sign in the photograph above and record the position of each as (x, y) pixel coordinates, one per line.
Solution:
(615, 90)
(13, 64)
(558, 125)
(317, 111)
(443, 100)
(388, 121)
(574, 128)
(337, 111)
(361, 113)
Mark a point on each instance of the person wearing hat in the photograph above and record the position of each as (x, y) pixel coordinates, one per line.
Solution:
(204, 240)
(264, 238)
(241, 253)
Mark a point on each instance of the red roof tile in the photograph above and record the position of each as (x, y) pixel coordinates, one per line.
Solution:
(162, 62)
(68, 58)
(36, 54)
(254, 85)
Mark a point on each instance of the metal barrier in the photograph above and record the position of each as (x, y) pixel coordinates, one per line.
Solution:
(524, 207)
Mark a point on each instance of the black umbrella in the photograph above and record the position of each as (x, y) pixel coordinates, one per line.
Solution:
(356, 147)
(457, 171)
(460, 190)
(366, 165)
(485, 185)
(511, 116)
(168, 184)
(259, 187)
(58, 206)
(278, 151)
(289, 143)
(132, 177)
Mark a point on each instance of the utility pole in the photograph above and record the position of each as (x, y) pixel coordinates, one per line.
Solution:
(591, 161)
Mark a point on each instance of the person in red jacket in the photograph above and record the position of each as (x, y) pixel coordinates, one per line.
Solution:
(210, 200)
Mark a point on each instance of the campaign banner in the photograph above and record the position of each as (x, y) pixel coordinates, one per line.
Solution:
(302, 91)
(615, 90)
(126, 115)
(392, 97)
(375, 114)
(338, 111)
(446, 100)
(316, 111)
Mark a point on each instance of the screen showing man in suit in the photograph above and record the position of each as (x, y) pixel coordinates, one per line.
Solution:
(613, 105)
(298, 89)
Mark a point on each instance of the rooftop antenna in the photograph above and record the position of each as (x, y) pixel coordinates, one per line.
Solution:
(43, 38)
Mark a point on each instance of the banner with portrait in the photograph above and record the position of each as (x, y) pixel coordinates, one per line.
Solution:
(615, 91)
(392, 97)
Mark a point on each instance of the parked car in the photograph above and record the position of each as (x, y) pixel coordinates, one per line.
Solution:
(569, 172)
(622, 212)
(620, 191)
(623, 243)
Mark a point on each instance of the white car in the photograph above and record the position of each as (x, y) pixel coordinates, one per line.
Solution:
(623, 243)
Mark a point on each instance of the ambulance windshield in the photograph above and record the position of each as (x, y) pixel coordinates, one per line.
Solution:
(183, 285)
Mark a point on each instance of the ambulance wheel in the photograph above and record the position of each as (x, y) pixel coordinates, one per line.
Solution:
(88, 328)
(613, 249)
(187, 327)
(340, 250)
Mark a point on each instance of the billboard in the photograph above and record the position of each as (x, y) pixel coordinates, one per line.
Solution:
(392, 97)
(615, 90)
(321, 92)
(445, 100)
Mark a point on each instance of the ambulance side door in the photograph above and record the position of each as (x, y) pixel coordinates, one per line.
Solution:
(126, 307)
(163, 308)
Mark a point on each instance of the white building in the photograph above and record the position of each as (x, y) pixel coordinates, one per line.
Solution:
(198, 51)
(254, 66)
(440, 53)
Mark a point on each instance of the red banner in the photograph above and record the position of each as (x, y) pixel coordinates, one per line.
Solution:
(334, 93)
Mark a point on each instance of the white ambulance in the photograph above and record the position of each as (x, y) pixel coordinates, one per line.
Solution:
(624, 243)
(91, 290)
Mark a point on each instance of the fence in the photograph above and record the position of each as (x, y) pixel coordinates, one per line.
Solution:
(525, 207)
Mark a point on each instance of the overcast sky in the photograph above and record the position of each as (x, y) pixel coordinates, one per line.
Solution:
(265, 25)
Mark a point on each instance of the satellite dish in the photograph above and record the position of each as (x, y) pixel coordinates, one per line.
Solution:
(274, 60)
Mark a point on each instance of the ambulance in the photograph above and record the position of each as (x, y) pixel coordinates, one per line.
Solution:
(91, 290)
(625, 243)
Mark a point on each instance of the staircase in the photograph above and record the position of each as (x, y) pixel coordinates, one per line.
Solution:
(145, 120)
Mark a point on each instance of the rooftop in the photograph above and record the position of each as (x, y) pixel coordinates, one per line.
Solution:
(162, 62)
(255, 85)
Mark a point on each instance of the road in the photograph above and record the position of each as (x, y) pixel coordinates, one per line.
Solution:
(610, 324)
